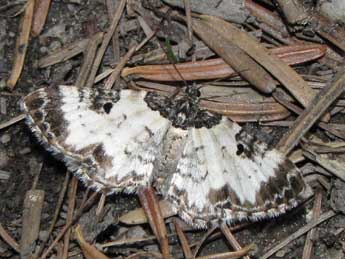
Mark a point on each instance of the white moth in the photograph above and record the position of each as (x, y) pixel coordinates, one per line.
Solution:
(207, 166)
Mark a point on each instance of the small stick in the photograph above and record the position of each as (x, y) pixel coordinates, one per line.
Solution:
(183, 240)
(231, 238)
(114, 75)
(40, 16)
(312, 113)
(63, 54)
(100, 206)
(89, 57)
(200, 243)
(56, 214)
(299, 233)
(12, 121)
(105, 43)
(151, 207)
(308, 247)
(79, 212)
(8, 239)
(21, 44)
(71, 204)
(189, 24)
(230, 255)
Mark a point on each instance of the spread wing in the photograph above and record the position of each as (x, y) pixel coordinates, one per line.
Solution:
(110, 139)
(226, 175)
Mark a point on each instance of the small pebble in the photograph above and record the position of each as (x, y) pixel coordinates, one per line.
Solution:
(43, 49)
(5, 138)
(43, 235)
(25, 151)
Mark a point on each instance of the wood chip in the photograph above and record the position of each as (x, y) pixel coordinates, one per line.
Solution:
(31, 219)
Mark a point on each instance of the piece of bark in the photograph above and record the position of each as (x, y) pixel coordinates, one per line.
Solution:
(31, 218)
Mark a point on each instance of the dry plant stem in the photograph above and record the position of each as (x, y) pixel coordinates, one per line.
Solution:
(229, 255)
(133, 241)
(89, 251)
(231, 239)
(8, 239)
(40, 16)
(202, 241)
(151, 207)
(89, 57)
(282, 100)
(63, 54)
(115, 38)
(146, 254)
(266, 16)
(184, 242)
(308, 246)
(100, 206)
(12, 121)
(298, 233)
(137, 216)
(105, 43)
(293, 10)
(115, 41)
(21, 44)
(189, 24)
(216, 68)
(79, 212)
(234, 56)
(71, 204)
(31, 219)
(312, 113)
(56, 214)
(326, 29)
(280, 70)
(117, 71)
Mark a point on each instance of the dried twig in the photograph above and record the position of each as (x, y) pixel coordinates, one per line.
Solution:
(311, 114)
(231, 239)
(183, 240)
(84, 205)
(232, 54)
(308, 247)
(298, 233)
(71, 204)
(21, 44)
(89, 57)
(12, 121)
(230, 255)
(40, 16)
(56, 215)
(105, 43)
(8, 239)
(153, 213)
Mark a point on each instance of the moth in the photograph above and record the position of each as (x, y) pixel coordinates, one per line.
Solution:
(207, 166)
